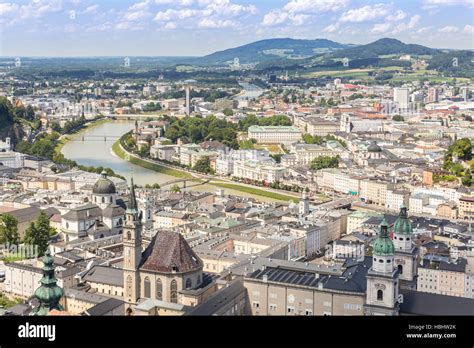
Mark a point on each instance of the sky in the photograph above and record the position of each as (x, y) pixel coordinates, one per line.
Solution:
(198, 27)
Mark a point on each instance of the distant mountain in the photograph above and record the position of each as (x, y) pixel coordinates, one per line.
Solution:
(384, 46)
(271, 49)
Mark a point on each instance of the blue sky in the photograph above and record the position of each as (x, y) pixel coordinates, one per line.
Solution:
(198, 27)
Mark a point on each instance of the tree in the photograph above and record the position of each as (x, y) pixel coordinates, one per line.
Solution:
(310, 139)
(9, 229)
(322, 162)
(175, 188)
(39, 232)
(144, 150)
(398, 118)
(247, 144)
(203, 165)
(228, 112)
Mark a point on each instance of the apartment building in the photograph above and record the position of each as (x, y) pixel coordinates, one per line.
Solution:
(442, 277)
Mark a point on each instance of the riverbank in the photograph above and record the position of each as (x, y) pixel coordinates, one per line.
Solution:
(63, 139)
(119, 151)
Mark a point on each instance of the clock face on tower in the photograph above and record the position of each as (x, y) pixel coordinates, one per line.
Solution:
(291, 299)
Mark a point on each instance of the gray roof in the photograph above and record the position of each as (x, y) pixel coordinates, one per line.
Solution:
(219, 300)
(424, 303)
(103, 308)
(80, 213)
(104, 275)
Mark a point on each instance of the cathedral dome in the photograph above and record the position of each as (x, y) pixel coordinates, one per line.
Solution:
(104, 186)
(403, 224)
(374, 147)
(383, 245)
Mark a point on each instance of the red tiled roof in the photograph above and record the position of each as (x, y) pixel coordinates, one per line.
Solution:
(169, 251)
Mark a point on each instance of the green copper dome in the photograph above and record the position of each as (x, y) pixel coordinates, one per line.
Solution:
(383, 245)
(403, 224)
(49, 293)
(374, 147)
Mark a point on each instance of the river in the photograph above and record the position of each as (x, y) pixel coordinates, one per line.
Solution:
(94, 151)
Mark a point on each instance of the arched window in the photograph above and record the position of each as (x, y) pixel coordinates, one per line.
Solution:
(174, 292)
(188, 283)
(400, 269)
(159, 289)
(103, 199)
(146, 287)
(379, 295)
(110, 199)
(129, 235)
(199, 280)
(120, 222)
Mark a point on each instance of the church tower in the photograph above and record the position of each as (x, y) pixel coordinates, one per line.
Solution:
(405, 251)
(303, 206)
(132, 252)
(382, 277)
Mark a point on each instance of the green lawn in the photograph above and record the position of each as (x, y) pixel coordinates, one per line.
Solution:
(255, 191)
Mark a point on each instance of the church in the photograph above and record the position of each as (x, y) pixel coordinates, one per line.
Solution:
(157, 275)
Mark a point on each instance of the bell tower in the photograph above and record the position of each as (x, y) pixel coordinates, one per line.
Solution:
(406, 252)
(382, 277)
(132, 252)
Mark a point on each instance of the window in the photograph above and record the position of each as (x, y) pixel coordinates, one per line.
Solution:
(273, 307)
(146, 287)
(256, 304)
(327, 304)
(291, 310)
(174, 291)
(400, 269)
(188, 283)
(379, 295)
(129, 235)
(159, 290)
(308, 312)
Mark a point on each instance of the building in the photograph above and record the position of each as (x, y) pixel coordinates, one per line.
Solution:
(101, 218)
(466, 207)
(291, 288)
(382, 277)
(442, 277)
(274, 134)
(401, 96)
(165, 268)
(406, 252)
(433, 95)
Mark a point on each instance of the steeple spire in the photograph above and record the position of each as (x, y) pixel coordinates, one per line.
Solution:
(49, 293)
(132, 202)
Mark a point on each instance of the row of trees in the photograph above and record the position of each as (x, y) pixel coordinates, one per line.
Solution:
(322, 162)
(38, 233)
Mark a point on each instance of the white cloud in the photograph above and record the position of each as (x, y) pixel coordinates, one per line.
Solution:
(208, 14)
(299, 12)
(315, 6)
(449, 29)
(170, 25)
(381, 28)
(429, 4)
(275, 17)
(469, 29)
(410, 25)
(38, 8)
(213, 23)
(91, 9)
(7, 7)
(140, 5)
(397, 16)
(137, 15)
(331, 28)
(366, 13)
